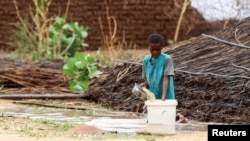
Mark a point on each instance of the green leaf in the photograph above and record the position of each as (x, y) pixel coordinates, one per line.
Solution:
(67, 27)
(76, 85)
(85, 85)
(93, 69)
(90, 59)
(95, 74)
(79, 57)
(67, 41)
(59, 21)
(84, 34)
(83, 75)
(69, 68)
(75, 26)
(79, 64)
(71, 63)
(67, 71)
(72, 85)
(78, 88)
(85, 45)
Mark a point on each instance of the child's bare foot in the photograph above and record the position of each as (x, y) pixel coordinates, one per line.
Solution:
(180, 118)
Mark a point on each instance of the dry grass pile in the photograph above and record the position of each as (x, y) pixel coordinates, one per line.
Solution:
(32, 77)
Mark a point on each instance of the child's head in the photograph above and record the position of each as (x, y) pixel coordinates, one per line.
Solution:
(155, 43)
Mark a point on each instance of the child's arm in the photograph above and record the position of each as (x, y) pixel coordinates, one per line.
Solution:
(164, 87)
(145, 83)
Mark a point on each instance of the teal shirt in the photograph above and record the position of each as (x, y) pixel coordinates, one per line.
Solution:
(154, 72)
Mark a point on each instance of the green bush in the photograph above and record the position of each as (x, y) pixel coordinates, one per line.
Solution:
(81, 69)
(39, 37)
(65, 38)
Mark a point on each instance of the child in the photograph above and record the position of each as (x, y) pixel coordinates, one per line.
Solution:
(158, 69)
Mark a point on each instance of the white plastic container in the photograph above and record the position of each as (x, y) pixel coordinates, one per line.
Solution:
(161, 116)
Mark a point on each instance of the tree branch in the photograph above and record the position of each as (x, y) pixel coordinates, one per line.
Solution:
(224, 41)
(219, 75)
(247, 69)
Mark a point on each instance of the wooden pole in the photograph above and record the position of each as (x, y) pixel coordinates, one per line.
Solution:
(183, 10)
(42, 96)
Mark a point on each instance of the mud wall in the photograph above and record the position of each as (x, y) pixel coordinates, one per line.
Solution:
(135, 19)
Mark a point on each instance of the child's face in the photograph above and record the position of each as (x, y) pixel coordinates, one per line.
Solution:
(155, 50)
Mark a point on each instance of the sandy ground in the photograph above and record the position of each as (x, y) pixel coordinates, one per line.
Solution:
(195, 136)
(20, 129)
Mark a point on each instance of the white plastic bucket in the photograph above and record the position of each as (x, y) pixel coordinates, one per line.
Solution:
(161, 116)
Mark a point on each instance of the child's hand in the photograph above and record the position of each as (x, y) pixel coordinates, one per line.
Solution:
(144, 84)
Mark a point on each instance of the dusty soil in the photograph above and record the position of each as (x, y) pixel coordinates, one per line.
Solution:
(19, 129)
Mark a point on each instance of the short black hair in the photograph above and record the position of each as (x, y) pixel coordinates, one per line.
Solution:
(155, 39)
